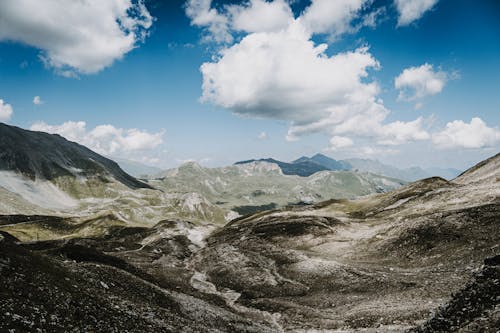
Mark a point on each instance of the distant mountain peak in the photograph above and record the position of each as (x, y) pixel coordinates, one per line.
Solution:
(305, 166)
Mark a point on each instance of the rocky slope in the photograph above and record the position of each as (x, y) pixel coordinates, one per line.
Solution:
(45, 174)
(39, 155)
(408, 259)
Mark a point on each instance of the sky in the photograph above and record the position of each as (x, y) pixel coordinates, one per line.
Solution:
(407, 82)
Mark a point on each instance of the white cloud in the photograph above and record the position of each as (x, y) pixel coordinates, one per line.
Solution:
(339, 142)
(412, 10)
(6, 111)
(399, 132)
(262, 136)
(417, 82)
(104, 139)
(202, 15)
(75, 36)
(320, 17)
(459, 134)
(375, 151)
(284, 75)
(277, 71)
(280, 75)
(332, 17)
(261, 16)
(37, 100)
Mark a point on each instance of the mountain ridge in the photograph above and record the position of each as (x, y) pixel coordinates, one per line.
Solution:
(40, 155)
(320, 162)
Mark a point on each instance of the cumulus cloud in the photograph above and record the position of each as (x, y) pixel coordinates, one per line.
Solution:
(399, 132)
(202, 15)
(320, 17)
(459, 134)
(37, 100)
(104, 139)
(275, 70)
(412, 10)
(333, 17)
(417, 82)
(280, 75)
(6, 111)
(284, 75)
(76, 36)
(260, 16)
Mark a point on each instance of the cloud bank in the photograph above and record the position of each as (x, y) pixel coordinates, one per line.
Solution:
(473, 135)
(104, 139)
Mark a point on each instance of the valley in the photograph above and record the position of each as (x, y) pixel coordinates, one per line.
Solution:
(360, 253)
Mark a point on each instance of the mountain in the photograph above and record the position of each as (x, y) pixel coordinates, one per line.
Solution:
(378, 263)
(410, 174)
(306, 166)
(300, 168)
(45, 174)
(423, 257)
(254, 186)
(326, 162)
(39, 155)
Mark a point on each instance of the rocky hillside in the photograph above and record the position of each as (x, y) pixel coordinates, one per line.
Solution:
(255, 186)
(45, 174)
(413, 258)
(39, 155)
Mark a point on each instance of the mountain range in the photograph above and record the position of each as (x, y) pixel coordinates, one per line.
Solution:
(160, 257)
(306, 166)
(259, 185)
(45, 174)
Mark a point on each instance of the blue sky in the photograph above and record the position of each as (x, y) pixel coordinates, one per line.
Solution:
(143, 80)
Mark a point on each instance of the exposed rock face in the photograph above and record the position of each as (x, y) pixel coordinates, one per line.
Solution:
(382, 263)
(475, 308)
